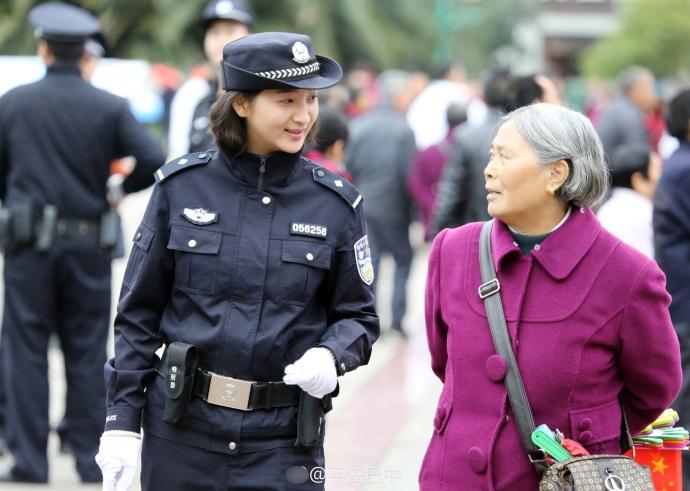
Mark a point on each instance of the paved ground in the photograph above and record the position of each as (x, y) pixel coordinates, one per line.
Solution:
(378, 431)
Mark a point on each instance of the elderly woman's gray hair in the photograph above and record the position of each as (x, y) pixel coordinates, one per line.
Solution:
(556, 133)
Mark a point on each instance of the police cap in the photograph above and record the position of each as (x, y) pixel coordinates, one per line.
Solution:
(236, 10)
(63, 23)
(276, 60)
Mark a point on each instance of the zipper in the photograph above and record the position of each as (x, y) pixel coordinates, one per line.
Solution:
(262, 171)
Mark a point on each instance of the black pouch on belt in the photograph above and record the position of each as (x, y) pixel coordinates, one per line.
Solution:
(181, 361)
(311, 420)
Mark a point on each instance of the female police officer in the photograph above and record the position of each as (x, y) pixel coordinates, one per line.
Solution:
(252, 265)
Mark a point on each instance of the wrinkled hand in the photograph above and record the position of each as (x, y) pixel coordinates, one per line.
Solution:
(315, 372)
(117, 457)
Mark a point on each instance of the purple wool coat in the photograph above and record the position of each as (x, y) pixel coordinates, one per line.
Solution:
(589, 322)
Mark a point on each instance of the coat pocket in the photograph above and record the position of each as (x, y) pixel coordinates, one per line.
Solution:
(304, 266)
(141, 243)
(196, 257)
(597, 428)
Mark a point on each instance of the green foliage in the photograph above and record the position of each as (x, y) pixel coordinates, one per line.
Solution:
(415, 34)
(654, 34)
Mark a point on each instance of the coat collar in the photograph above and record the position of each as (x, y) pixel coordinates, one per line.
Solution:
(63, 68)
(280, 167)
(560, 252)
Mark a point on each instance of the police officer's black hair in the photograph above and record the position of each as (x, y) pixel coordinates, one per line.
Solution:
(69, 52)
(678, 114)
(230, 130)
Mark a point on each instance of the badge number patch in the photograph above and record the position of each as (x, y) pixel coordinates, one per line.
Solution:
(365, 267)
(200, 216)
(308, 229)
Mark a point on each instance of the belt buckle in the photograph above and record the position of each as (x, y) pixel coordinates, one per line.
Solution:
(229, 392)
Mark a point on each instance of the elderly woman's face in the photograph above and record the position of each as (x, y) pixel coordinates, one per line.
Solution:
(516, 183)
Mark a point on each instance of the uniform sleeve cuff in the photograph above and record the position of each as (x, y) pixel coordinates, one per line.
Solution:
(123, 419)
(342, 364)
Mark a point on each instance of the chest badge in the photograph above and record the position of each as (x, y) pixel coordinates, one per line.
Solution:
(308, 229)
(365, 267)
(200, 216)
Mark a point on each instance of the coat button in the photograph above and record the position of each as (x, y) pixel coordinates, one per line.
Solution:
(202, 155)
(310, 256)
(138, 236)
(265, 200)
(537, 247)
(585, 424)
(585, 437)
(320, 173)
(477, 460)
(192, 243)
(232, 445)
(582, 210)
(496, 368)
(343, 367)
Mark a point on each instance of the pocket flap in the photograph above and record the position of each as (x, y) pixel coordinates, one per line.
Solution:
(143, 237)
(596, 424)
(194, 240)
(443, 412)
(307, 253)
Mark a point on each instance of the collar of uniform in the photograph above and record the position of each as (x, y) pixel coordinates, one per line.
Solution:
(62, 67)
(280, 167)
(561, 251)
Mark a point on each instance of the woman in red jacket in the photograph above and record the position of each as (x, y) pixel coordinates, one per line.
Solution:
(587, 314)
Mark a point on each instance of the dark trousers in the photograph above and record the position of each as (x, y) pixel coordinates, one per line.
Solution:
(392, 238)
(64, 291)
(682, 402)
(174, 466)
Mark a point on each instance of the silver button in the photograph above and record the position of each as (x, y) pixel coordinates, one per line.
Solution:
(232, 445)
(537, 247)
(202, 155)
(138, 236)
(310, 256)
(265, 200)
(343, 367)
(320, 173)
(582, 210)
(192, 243)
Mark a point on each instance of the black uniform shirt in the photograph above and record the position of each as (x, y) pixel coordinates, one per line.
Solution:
(253, 269)
(58, 137)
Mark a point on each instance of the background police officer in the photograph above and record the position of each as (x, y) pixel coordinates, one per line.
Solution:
(57, 139)
(223, 21)
(253, 264)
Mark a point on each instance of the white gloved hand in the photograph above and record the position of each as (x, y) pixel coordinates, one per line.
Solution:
(117, 457)
(315, 372)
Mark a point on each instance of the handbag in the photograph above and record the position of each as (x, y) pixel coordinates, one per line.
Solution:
(590, 473)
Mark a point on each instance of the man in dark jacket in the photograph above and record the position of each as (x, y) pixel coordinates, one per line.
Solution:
(57, 139)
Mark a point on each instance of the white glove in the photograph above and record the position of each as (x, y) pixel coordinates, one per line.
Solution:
(315, 372)
(117, 457)
(115, 193)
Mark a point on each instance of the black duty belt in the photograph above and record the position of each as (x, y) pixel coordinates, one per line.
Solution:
(236, 393)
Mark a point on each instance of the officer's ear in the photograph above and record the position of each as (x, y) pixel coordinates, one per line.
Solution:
(241, 105)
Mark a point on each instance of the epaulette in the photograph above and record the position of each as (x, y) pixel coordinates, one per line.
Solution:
(181, 163)
(338, 184)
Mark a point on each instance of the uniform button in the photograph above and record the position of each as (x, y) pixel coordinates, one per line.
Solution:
(585, 437)
(138, 236)
(343, 367)
(232, 445)
(265, 200)
(477, 460)
(320, 173)
(582, 210)
(310, 256)
(192, 243)
(537, 247)
(496, 368)
(585, 424)
(202, 155)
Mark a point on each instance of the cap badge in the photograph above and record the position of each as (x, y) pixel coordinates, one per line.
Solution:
(224, 7)
(300, 53)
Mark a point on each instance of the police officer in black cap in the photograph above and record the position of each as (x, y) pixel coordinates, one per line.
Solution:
(252, 266)
(223, 21)
(57, 139)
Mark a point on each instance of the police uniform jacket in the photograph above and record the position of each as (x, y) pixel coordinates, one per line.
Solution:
(588, 319)
(58, 137)
(253, 268)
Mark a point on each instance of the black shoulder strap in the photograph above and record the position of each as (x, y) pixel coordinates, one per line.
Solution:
(338, 184)
(489, 293)
(181, 163)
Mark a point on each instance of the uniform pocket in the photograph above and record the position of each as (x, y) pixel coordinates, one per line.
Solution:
(196, 257)
(141, 243)
(304, 266)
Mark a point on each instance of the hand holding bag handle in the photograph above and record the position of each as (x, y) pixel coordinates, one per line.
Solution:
(489, 291)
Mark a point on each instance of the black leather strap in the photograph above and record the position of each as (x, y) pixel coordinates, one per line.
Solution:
(489, 291)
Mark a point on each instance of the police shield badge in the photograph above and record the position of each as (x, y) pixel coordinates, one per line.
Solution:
(199, 216)
(365, 267)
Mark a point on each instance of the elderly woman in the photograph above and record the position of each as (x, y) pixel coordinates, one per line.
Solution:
(587, 314)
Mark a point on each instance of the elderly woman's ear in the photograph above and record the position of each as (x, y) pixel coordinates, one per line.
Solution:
(558, 173)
